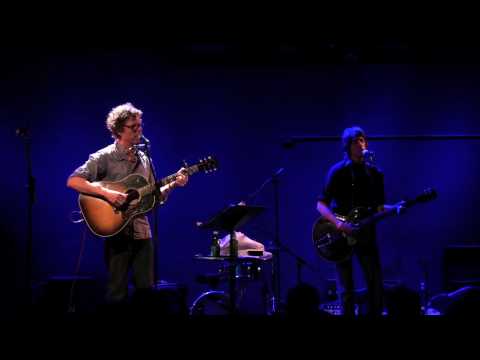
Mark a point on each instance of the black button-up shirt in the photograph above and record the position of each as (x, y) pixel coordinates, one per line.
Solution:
(350, 185)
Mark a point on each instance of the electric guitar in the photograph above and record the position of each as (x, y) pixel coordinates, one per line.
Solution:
(334, 245)
(105, 220)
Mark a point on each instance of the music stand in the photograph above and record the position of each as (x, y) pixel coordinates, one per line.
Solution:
(231, 219)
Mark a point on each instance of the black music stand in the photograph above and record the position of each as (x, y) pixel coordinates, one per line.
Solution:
(231, 219)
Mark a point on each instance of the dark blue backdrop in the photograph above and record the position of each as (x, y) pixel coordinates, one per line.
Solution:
(241, 114)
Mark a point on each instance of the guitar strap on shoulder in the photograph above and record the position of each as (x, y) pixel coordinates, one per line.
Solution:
(137, 153)
(149, 165)
(136, 164)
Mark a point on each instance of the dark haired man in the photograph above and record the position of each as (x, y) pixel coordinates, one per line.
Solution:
(351, 183)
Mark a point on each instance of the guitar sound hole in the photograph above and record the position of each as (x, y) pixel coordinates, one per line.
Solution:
(133, 197)
(132, 194)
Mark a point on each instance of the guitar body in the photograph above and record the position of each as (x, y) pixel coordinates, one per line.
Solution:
(334, 245)
(104, 219)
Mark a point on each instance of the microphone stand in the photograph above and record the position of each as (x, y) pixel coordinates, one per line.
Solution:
(299, 260)
(276, 250)
(275, 300)
(25, 134)
(424, 285)
(278, 245)
(146, 149)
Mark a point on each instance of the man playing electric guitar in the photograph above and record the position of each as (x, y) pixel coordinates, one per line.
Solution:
(351, 183)
(132, 246)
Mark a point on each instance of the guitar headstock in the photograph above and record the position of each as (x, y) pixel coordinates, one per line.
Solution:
(427, 195)
(208, 164)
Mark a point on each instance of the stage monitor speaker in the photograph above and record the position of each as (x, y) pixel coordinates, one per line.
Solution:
(461, 267)
(62, 294)
(166, 299)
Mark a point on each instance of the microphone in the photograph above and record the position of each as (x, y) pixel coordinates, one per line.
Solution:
(144, 146)
(368, 155)
(22, 132)
(145, 140)
(279, 171)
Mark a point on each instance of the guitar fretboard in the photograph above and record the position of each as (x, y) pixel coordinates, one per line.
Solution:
(381, 215)
(147, 189)
(377, 217)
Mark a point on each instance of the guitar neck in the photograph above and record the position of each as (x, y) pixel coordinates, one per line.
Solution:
(377, 217)
(382, 215)
(427, 195)
(166, 180)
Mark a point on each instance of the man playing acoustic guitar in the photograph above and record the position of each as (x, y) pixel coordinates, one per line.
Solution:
(132, 246)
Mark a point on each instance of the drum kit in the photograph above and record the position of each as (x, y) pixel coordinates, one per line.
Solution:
(252, 287)
(240, 264)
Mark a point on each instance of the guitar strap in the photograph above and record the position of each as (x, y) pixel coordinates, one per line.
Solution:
(128, 230)
(136, 164)
(137, 155)
(149, 161)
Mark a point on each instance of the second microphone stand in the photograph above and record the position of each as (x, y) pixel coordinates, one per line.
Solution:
(277, 244)
(24, 133)
(146, 149)
(275, 300)
(276, 248)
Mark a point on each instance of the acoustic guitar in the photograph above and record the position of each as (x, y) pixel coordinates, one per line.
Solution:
(105, 220)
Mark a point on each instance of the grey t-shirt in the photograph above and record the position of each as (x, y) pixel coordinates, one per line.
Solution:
(111, 164)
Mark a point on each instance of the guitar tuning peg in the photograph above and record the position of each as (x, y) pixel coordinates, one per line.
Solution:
(185, 164)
